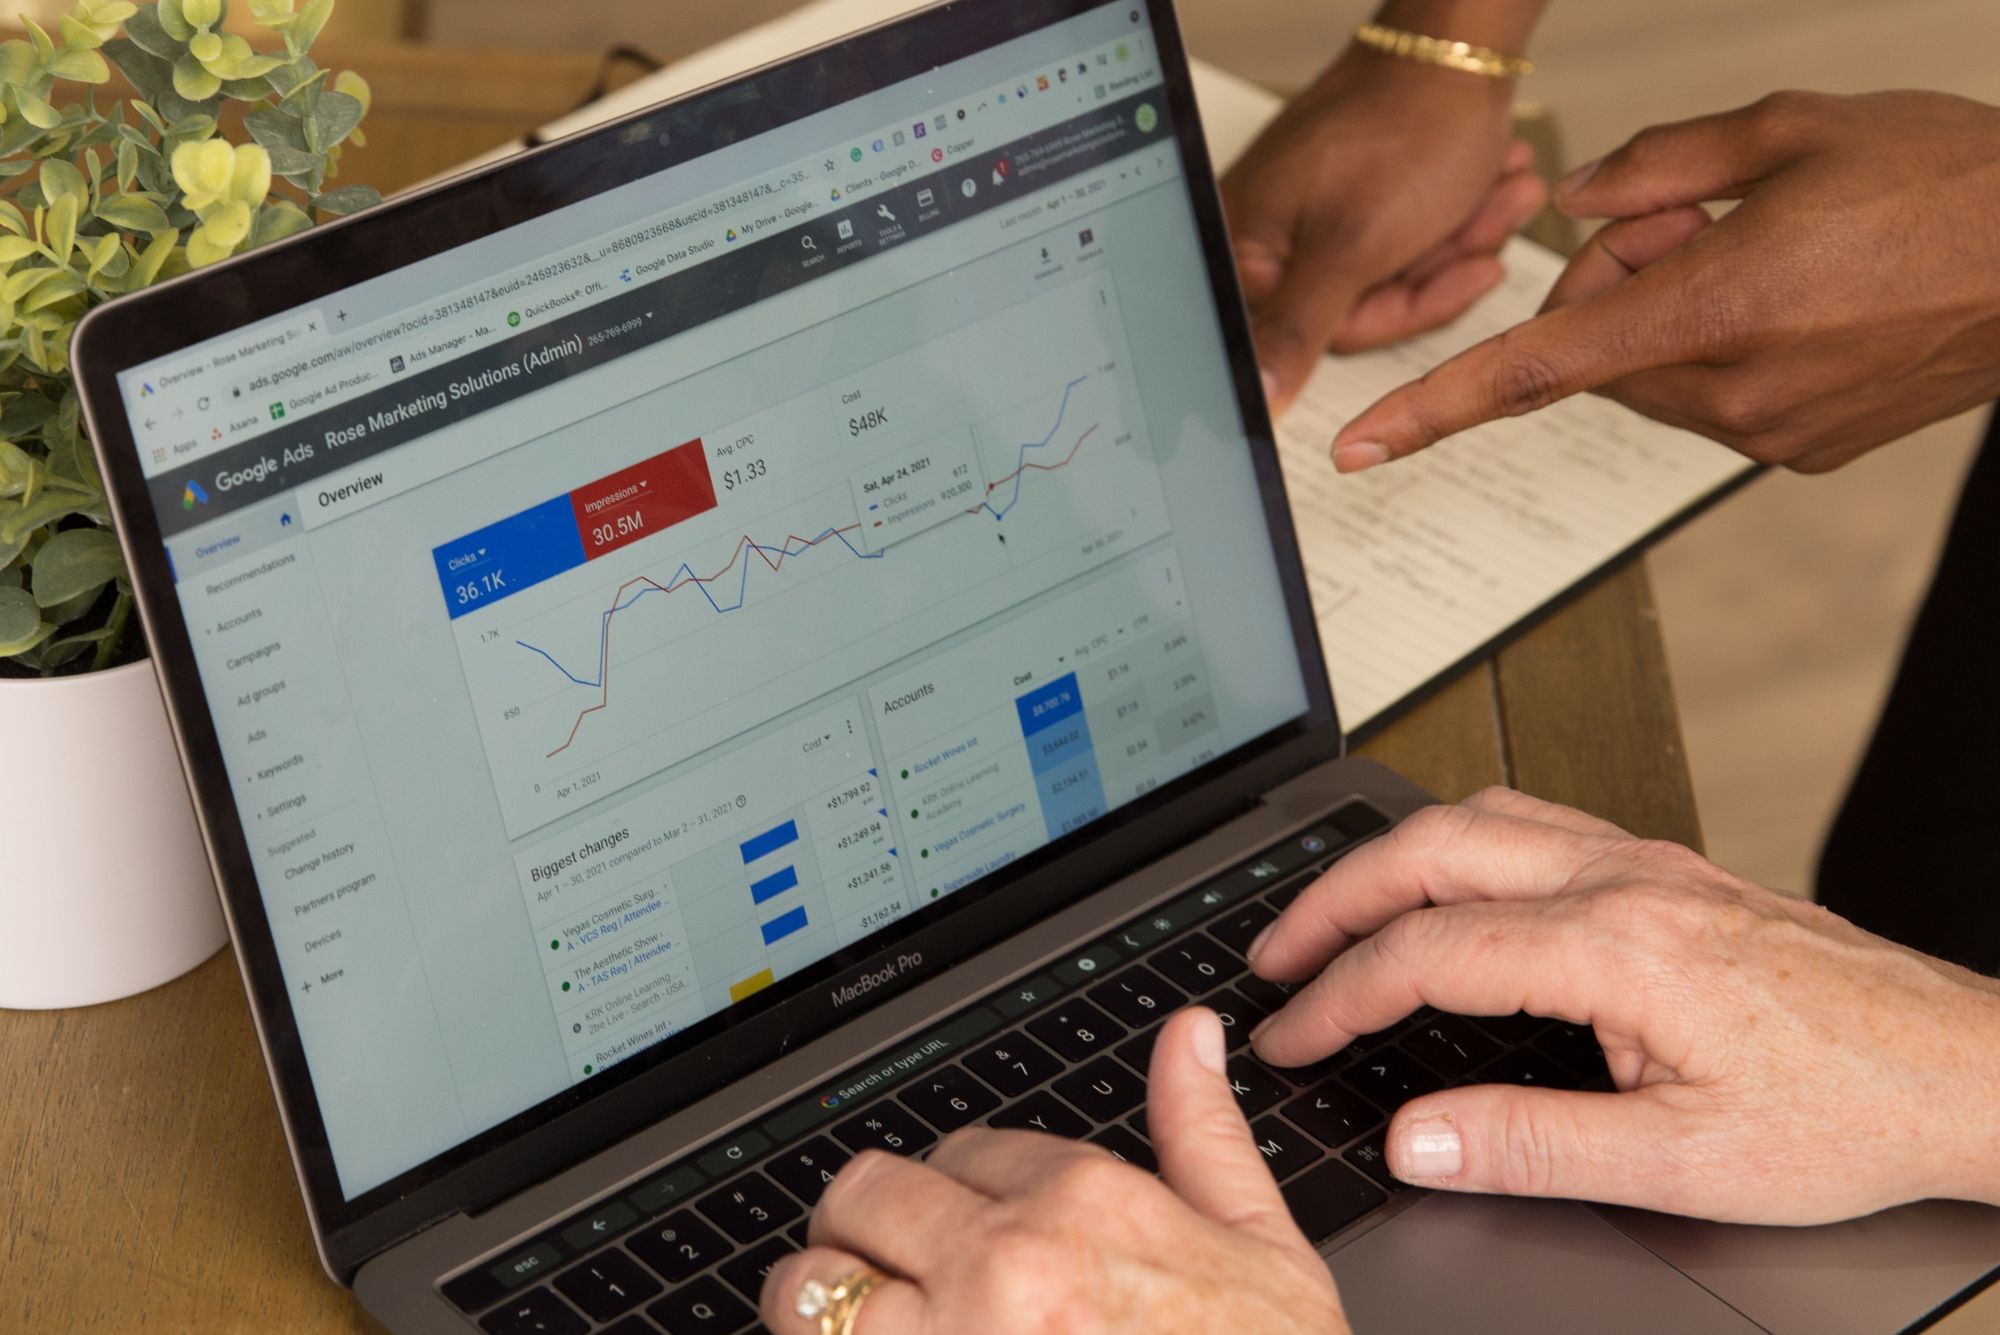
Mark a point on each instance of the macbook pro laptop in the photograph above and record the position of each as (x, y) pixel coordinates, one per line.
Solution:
(773, 628)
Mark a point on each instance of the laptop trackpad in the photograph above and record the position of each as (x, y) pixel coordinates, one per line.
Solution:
(1482, 1265)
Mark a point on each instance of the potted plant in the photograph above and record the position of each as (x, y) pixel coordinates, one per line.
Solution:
(104, 887)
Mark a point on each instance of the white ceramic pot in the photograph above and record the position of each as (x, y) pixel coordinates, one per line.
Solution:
(104, 884)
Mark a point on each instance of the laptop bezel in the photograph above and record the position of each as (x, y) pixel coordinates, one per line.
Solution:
(217, 300)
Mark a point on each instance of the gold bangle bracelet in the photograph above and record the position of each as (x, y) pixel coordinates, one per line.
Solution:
(1462, 56)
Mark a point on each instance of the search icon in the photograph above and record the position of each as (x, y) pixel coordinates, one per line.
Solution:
(808, 243)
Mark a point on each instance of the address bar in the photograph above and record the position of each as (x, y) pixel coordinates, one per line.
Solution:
(680, 238)
(543, 287)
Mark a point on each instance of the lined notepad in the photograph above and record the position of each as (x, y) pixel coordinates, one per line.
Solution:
(1418, 565)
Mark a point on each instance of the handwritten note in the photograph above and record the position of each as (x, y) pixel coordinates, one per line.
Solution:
(1415, 565)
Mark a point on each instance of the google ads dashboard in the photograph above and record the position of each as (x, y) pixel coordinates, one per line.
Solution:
(607, 620)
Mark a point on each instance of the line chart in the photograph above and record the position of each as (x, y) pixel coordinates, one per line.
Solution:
(639, 620)
(1022, 465)
(685, 576)
(681, 579)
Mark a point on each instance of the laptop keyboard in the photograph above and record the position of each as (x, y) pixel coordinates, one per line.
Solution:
(1065, 1052)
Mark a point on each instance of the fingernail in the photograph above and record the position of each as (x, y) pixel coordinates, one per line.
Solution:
(1579, 178)
(1208, 1042)
(1527, 215)
(1363, 454)
(1270, 387)
(1431, 1151)
(1262, 1025)
(1263, 936)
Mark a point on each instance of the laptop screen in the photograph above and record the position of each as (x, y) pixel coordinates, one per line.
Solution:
(606, 622)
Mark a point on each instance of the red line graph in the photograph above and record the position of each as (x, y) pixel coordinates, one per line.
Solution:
(649, 583)
(684, 577)
(1063, 462)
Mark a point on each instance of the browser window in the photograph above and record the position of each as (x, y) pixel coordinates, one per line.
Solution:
(612, 634)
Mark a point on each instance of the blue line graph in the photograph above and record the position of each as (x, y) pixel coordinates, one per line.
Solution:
(701, 583)
(638, 587)
(1021, 464)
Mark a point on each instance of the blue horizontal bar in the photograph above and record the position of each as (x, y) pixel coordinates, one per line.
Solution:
(784, 925)
(773, 885)
(770, 841)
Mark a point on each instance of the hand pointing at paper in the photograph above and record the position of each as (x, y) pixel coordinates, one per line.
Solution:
(1852, 296)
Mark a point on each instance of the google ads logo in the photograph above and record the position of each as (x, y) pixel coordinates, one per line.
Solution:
(192, 495)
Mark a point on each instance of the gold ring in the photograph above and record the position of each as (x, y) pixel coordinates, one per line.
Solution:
(839, 1307)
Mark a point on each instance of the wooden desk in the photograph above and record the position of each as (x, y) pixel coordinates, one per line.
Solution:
(146, 1185)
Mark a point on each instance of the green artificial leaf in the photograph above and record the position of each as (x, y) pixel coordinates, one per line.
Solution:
(57, 653)
(62, 222)
(247, 90)
(173, 21)
(149, 73)
(193, 81)
(8, 552)
(151, 260)
(17, 523)
(80, 66)
(68, 427)
(74, 562)
(274, 129)
(134, 213)
(332, 120)
(9, 170)
(347, 199)
(44, 46)
(60, 286)
(128, 163)
(23, 414)
(111, 273)
(101, 251)
(72, 609)
(17, 133)
(59, 178)
(36, 112)
(194, 125)
(150, 116)
(17, 469)
(303, 28)
(292, 163)
(18, 62)
(77, 36)
(16, 248)
(21, 624)
(287, 80)
(21, 282)
(278, 220)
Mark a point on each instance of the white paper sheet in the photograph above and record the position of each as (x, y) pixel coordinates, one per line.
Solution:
(1416, 564)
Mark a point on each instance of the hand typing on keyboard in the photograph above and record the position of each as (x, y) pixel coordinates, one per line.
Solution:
(1024, 1232)
(1774, 1063)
